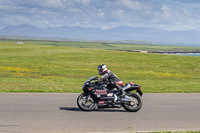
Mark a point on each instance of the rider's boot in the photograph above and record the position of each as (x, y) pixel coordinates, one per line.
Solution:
(121, 93)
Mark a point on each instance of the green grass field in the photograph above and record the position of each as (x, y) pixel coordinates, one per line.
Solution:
(115, 46)
(44, 68)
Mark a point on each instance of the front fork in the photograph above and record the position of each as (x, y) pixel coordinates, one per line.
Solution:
(88, 97)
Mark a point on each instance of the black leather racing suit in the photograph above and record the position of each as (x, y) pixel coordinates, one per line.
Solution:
(111, 80)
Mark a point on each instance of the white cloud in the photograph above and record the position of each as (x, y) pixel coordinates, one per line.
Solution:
(14, 20)
(52, 3)
(135, 5)
(168, 14)
(101, 14)
(84, 2)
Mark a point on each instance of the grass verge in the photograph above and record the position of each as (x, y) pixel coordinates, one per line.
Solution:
(175, 132)
(44, 68)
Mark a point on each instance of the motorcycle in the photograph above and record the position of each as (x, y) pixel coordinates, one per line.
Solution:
(101, 96)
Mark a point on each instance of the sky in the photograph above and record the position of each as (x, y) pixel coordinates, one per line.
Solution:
(105, 14)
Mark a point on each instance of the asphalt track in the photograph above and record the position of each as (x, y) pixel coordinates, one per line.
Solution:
(58, 113)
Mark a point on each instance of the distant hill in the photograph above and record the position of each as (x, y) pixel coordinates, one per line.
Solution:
(122, 33)
(23, 30)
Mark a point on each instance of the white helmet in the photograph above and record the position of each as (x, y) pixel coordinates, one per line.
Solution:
(101, 69)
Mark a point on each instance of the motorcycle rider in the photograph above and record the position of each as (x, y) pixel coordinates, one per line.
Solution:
(109, 78)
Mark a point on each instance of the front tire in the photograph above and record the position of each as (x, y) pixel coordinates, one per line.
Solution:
(86, 103)
(134, 105)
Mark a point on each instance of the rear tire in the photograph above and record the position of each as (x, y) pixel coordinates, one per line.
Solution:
(86, 103)
(135, 105)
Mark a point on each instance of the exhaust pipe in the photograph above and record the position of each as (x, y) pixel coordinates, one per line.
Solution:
(127, 99)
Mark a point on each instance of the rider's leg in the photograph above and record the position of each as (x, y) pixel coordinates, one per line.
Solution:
(119, 88)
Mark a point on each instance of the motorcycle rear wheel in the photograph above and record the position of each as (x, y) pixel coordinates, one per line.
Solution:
(133, 106)
(86, 103)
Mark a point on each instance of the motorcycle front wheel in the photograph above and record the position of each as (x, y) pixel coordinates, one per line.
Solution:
(86, 103)
(134, 105)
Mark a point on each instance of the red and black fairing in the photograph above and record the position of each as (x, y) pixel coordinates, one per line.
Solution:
(120, 83)
(104, 97)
